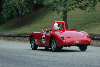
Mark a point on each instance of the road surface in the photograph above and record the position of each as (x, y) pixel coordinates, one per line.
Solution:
(19, 54)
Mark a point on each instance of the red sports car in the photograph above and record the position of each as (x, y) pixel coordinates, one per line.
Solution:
(58, 37)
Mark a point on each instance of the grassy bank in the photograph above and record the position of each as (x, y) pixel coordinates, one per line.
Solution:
(43, 18)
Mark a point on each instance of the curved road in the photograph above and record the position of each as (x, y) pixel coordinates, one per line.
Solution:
(19, 54)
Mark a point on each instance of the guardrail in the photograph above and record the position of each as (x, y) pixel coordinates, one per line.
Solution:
(92, 35)
(15, 36)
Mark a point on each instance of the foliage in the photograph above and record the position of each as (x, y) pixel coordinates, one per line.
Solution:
(9, 9)
(67, 5)
(14, 8)
(1, 19)
(39, 2)
(43, 18)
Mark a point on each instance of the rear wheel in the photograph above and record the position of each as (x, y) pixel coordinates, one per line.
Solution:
(53, 45)
(33, 45)
(83, 47)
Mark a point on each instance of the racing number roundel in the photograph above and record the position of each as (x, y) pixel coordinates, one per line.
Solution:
(43, 38)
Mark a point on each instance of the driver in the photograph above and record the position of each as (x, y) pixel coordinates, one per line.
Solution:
(56, 26)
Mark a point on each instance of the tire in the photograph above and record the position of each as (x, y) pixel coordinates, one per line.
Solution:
(83, 47)
(33, 45)
(54, 45)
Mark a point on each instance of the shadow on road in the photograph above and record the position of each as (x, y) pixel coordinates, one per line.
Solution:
(62, 50)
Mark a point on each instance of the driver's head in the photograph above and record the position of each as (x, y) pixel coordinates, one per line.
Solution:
(56, 26)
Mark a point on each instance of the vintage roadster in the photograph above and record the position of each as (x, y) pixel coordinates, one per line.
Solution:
(59, 37)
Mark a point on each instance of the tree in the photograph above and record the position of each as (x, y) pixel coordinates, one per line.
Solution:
(1, 20)
(14, 8)
(21, 7)
(9, 9)
(67, 5)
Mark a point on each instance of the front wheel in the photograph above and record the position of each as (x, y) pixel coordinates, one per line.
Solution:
(83, 47)
(54, 45)
(33, 45)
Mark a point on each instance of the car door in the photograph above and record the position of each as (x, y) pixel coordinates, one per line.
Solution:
(45, 39)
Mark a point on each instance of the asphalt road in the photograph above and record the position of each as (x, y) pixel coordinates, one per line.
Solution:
(19, 54)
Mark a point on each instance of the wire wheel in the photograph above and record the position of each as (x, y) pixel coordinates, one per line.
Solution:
(54, 45)
(33, 45)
